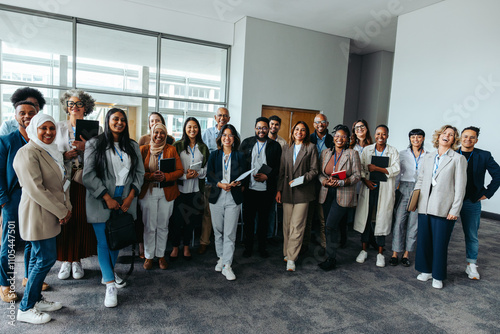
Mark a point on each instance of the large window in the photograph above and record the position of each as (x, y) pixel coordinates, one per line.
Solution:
(117, 65)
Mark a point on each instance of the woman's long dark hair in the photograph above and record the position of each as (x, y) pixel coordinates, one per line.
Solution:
(105, 141)
(236, 136)
(354, 138)
(185, 139)
(306, 140)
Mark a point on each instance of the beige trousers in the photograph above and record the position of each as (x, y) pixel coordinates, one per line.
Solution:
(294, 224)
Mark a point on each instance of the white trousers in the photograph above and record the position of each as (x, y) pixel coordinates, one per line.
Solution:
(225, 214)
(156, 212)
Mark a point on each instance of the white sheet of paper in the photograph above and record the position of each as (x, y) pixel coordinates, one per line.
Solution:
(242, 176)
(196, 166)
(298, 181)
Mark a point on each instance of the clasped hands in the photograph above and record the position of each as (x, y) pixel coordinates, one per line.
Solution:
(333, 182)
(228, 186)
(191, 174)
(65, 220)
(79, 147)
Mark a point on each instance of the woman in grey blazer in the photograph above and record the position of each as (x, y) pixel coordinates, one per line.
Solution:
(299, 160)
(113, 174)
(442, 182)
(44, 207)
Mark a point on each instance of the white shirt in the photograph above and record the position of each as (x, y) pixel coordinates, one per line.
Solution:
(121, 165)
(296, 150)
(187, 159)
(409, 163)
(258, 159)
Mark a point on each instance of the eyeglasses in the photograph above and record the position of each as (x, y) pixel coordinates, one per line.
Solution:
(320, 122)
(226, 135)
(222, 115)
(261, 128)
(359, 128)
(339, 137)
(71, 104)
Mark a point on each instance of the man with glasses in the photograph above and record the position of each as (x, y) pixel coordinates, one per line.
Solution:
(209, 138)
(22, 94)
(263, 156)
(478, 163)
(323, 140)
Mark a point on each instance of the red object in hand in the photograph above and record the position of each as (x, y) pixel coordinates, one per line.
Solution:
(341, 175)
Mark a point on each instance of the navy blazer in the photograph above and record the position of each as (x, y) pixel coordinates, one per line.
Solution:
(214, 174)
(482, 161)
(9, 145)
(328, 139)
(273, 159)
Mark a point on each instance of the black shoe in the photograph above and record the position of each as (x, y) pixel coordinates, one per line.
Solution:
(393, 261)
(247, 253)
(405, 262)
(328, 264)
(188, 258)
(173, 258)
(322, 252)
(264, 253)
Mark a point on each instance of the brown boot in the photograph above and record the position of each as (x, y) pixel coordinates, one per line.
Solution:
(163, 263)
(148, 264)
(45, 286)
(6, 295)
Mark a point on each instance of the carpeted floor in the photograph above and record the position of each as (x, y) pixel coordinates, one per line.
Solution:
(190, 297)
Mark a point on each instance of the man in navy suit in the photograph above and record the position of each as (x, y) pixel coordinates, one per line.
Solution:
(10, 196)
(478, 162)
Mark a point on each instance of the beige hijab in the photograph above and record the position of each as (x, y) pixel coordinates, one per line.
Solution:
(156, 149)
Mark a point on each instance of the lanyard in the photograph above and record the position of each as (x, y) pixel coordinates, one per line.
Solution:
(335, 160)
(381, 153)
(120, 155)
(192, 151)
(226, 161)
(24, 140)
(259, 149)
(159, 158)
(470, 156)
(436, 164)
(419, 156)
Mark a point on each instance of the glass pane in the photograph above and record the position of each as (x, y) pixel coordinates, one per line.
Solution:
(192, 71)
(115, 60)
(34, 49)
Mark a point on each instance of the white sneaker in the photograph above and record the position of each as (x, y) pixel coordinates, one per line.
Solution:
(285, 259)
(471, 270)
(362, 257)
(118, 282)
(437, 284)
(33, 316)
(111, 299)
(65, 270)
(380, 260)
(46, 306)
(424, 277)
(218, 266)
(228, 272)
(77, 270)
(290, 265)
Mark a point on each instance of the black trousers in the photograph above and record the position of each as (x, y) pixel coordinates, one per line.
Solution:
(334, 215)
(188, 212)
(256, 202)
(368, 233)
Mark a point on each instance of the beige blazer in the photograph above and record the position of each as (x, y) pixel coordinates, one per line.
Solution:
(448, 194)
(305, 165)
(43, 201)
(350, 162)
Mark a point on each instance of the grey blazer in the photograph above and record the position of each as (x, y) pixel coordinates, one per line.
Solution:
(97, 211)
(306, 164)
(451, 178)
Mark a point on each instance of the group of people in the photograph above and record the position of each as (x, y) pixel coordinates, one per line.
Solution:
(57, 192)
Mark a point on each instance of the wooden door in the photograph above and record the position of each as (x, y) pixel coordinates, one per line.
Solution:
(290, 116)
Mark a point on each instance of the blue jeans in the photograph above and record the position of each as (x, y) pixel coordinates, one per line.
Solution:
(471, 217)
(11, 238)
(43, 256)
(105, 256)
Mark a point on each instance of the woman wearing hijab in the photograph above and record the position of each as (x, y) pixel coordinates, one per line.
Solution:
(44, 207)
(158, 194)
(112, 174)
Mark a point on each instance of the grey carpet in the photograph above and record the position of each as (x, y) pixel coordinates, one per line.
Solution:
(190, 297)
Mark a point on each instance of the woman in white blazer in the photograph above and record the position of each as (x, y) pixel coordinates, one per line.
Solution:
(442, 183)
(44, 207)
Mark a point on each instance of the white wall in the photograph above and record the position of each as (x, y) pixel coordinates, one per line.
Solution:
(279, 65)
(446, 71)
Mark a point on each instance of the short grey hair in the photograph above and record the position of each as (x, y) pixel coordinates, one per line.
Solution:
(87, 100)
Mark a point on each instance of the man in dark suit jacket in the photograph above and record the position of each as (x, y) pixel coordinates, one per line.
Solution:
(478, 163)
(323, 140)
(10, 196)
(261, 186)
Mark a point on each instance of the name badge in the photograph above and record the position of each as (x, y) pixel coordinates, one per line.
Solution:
(123, 173)
(66, 185)
(434, 182)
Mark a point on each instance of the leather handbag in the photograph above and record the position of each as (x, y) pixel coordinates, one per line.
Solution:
(120, 230)
(413, 201)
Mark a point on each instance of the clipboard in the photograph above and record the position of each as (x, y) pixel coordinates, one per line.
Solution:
(86, 128)
(265, 169)
(382, 162)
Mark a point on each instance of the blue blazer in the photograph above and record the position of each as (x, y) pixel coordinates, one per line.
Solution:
(9, 145)
(214, 174)
(482, 161)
